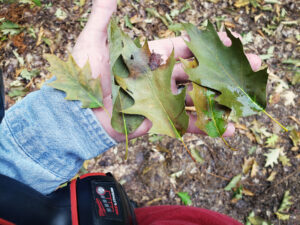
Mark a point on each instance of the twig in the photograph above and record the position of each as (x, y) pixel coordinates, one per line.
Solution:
(190, 108)
(285, 178)
(215, 175)
(295, 119)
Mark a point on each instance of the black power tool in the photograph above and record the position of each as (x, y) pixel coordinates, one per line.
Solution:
(92, 199)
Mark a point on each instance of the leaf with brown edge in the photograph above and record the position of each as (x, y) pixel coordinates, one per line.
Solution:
(76, 82)
(151, 91)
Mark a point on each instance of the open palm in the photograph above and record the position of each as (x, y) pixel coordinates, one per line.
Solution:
(92, 45)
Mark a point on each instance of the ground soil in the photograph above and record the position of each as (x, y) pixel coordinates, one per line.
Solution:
(157, 169)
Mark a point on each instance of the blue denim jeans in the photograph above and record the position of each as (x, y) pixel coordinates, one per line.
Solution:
(44, 139)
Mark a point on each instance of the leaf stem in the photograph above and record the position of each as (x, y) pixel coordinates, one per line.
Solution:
(106, 111)
(190, 108)
(126, 137)
(188, 151)
(228, 145)
(125, 129)
(283, 127)
(215, 122)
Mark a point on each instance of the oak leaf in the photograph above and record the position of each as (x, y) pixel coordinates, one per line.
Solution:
(151, 91)
(285, 206)
(76, 82)
(272, 157)
(121, 122)
(227, 70)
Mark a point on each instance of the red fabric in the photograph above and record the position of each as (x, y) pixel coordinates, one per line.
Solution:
(181, 215)
(5, 222)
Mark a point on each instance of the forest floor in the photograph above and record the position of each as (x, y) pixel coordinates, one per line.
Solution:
(158, 167)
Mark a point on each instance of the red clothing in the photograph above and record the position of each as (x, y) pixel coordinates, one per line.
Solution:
(181, 215)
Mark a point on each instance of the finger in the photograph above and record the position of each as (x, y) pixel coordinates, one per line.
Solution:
(94, 36)
(100, 15)
(178, 75)
(255, 61)
(229, 130)
(192, 128)
(166, 46)
(188, 100)
(141, 130)
(226, 40)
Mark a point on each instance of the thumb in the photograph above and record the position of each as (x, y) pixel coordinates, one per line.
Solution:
(100, 15)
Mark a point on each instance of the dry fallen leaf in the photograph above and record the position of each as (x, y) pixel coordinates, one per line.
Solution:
(240, 126)
(254, 169)
(274, 99)
(241, 3)
(247, 164)
(284, 160)
(272, 156)
(272, 176)
(289, 97)
(247, 192)
(295, 137)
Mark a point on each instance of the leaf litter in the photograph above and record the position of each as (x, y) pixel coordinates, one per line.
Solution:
(211, 150)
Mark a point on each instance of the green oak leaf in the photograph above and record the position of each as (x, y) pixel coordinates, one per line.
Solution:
(151, 91)
(122, 102)
(115, 39)
(123, 123)
(76, 82)
(210, 116)
(227, 70)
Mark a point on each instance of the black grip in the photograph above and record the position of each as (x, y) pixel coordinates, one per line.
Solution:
(22, 205)
(99, 200)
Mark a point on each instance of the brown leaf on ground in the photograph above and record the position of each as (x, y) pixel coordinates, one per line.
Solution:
(240, 126)
(247, 192)
(274, 99)
(18, 42)
(17, 12)
(254, 169)
(247, 164)
(272, 176)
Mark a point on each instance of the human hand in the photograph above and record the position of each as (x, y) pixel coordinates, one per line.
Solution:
(92, 45)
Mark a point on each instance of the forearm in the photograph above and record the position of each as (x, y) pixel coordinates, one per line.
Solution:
(44, 139)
